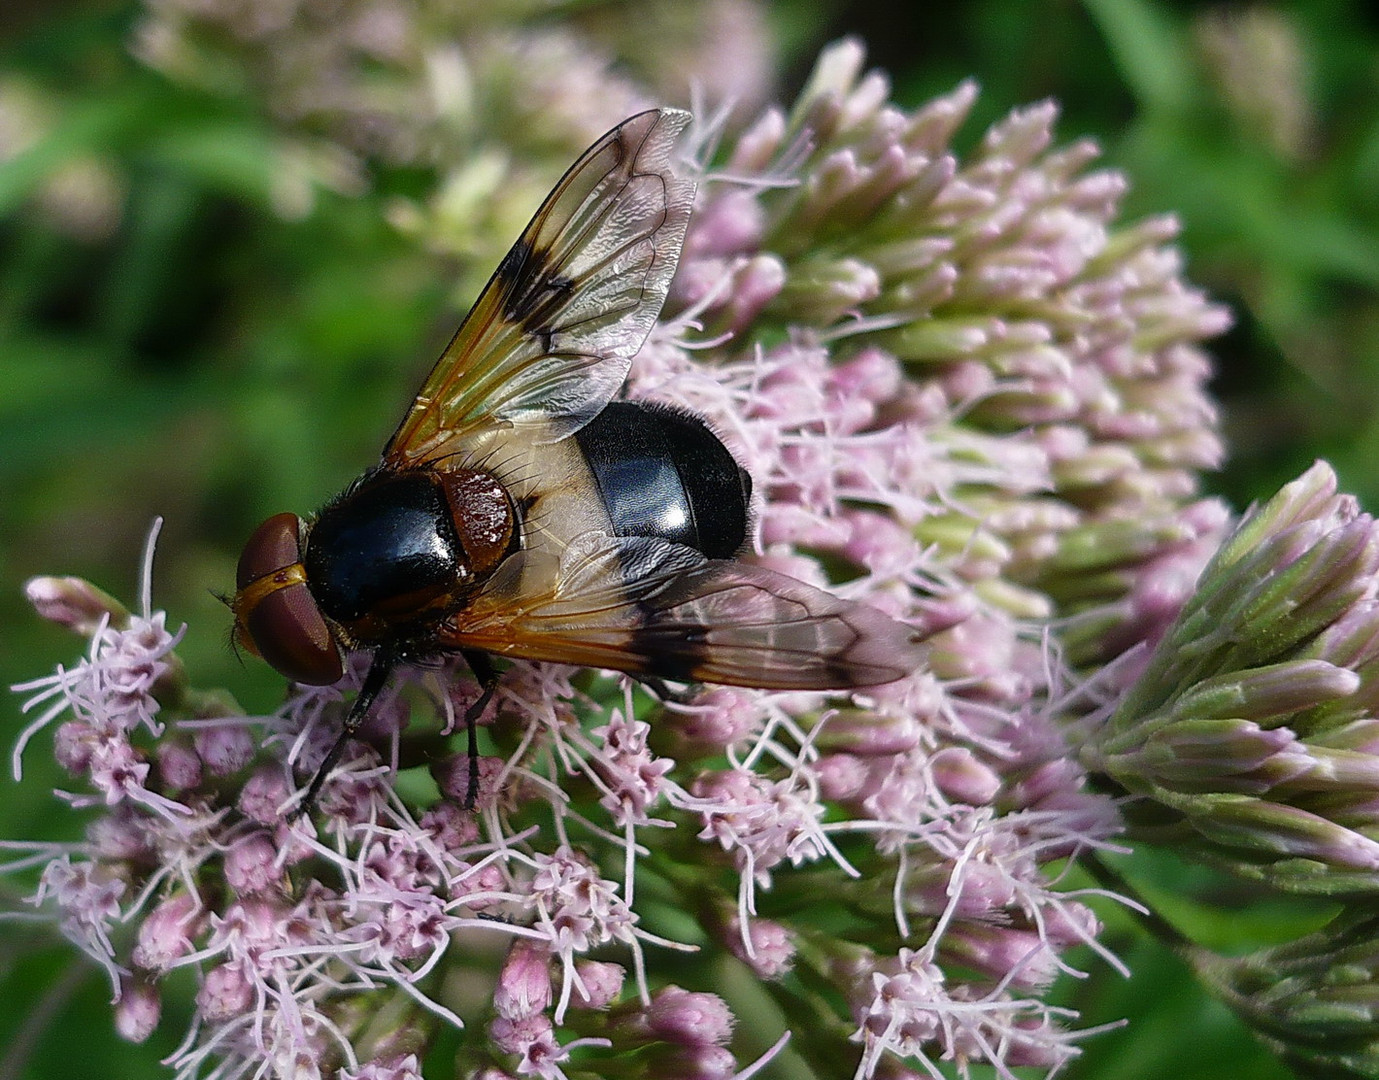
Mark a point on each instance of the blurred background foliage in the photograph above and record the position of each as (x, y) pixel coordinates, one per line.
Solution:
(207, 314)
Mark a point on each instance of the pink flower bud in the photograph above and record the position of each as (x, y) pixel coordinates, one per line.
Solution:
(768, 950)
(883, 546)
(449, 826)
(699, 279)
(962, 777)
(755, 286)
(1071, 924)
(870, 734)
(137, 1011)
(791, 523)
(524, 986)
(729, 224)
(179, 766)
(264, 795)
(225, 748)
(74, 603)
(452, 777)
(388, 1068)
(872, 374)
(688, 1018)
(1048, 785)
(759, 144)
(717, 717)
(167, 931)
(480, 888)
(532, 1038)
(120, 835)
(842, 777)
(251, 865)
(695, 1063)
(73, 743)
(599, 984)
(225, 993)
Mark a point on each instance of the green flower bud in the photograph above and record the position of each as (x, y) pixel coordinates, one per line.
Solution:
(1314, 1001)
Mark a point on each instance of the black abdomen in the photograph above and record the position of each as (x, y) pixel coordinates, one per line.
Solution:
(661, 472)
(385, 547)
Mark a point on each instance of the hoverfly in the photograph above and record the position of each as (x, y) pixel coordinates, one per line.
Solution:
(519, 511)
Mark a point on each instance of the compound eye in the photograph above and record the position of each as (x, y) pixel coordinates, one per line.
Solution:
(287, 629)
(276, 615)
(274, 545)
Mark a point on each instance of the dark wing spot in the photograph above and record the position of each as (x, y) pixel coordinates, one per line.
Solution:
(677, 653)
(532, 291)
(513, 273)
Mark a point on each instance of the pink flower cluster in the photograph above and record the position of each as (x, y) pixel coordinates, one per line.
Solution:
(966, 398)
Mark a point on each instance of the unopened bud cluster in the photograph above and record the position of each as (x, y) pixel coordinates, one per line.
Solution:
(1255, 722)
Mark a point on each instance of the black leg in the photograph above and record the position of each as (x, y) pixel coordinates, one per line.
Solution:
(480, 664)
(379, 669)
(659, 689)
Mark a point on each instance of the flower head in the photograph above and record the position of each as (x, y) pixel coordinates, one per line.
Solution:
(966, 396)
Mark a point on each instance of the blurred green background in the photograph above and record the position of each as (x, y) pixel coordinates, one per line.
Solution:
(184, 332)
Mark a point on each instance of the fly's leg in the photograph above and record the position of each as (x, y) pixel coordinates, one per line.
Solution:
(374, 682)
(380, 670)
(487, 677)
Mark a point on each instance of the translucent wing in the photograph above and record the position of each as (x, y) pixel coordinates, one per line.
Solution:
(653, 608)
(553, 333)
